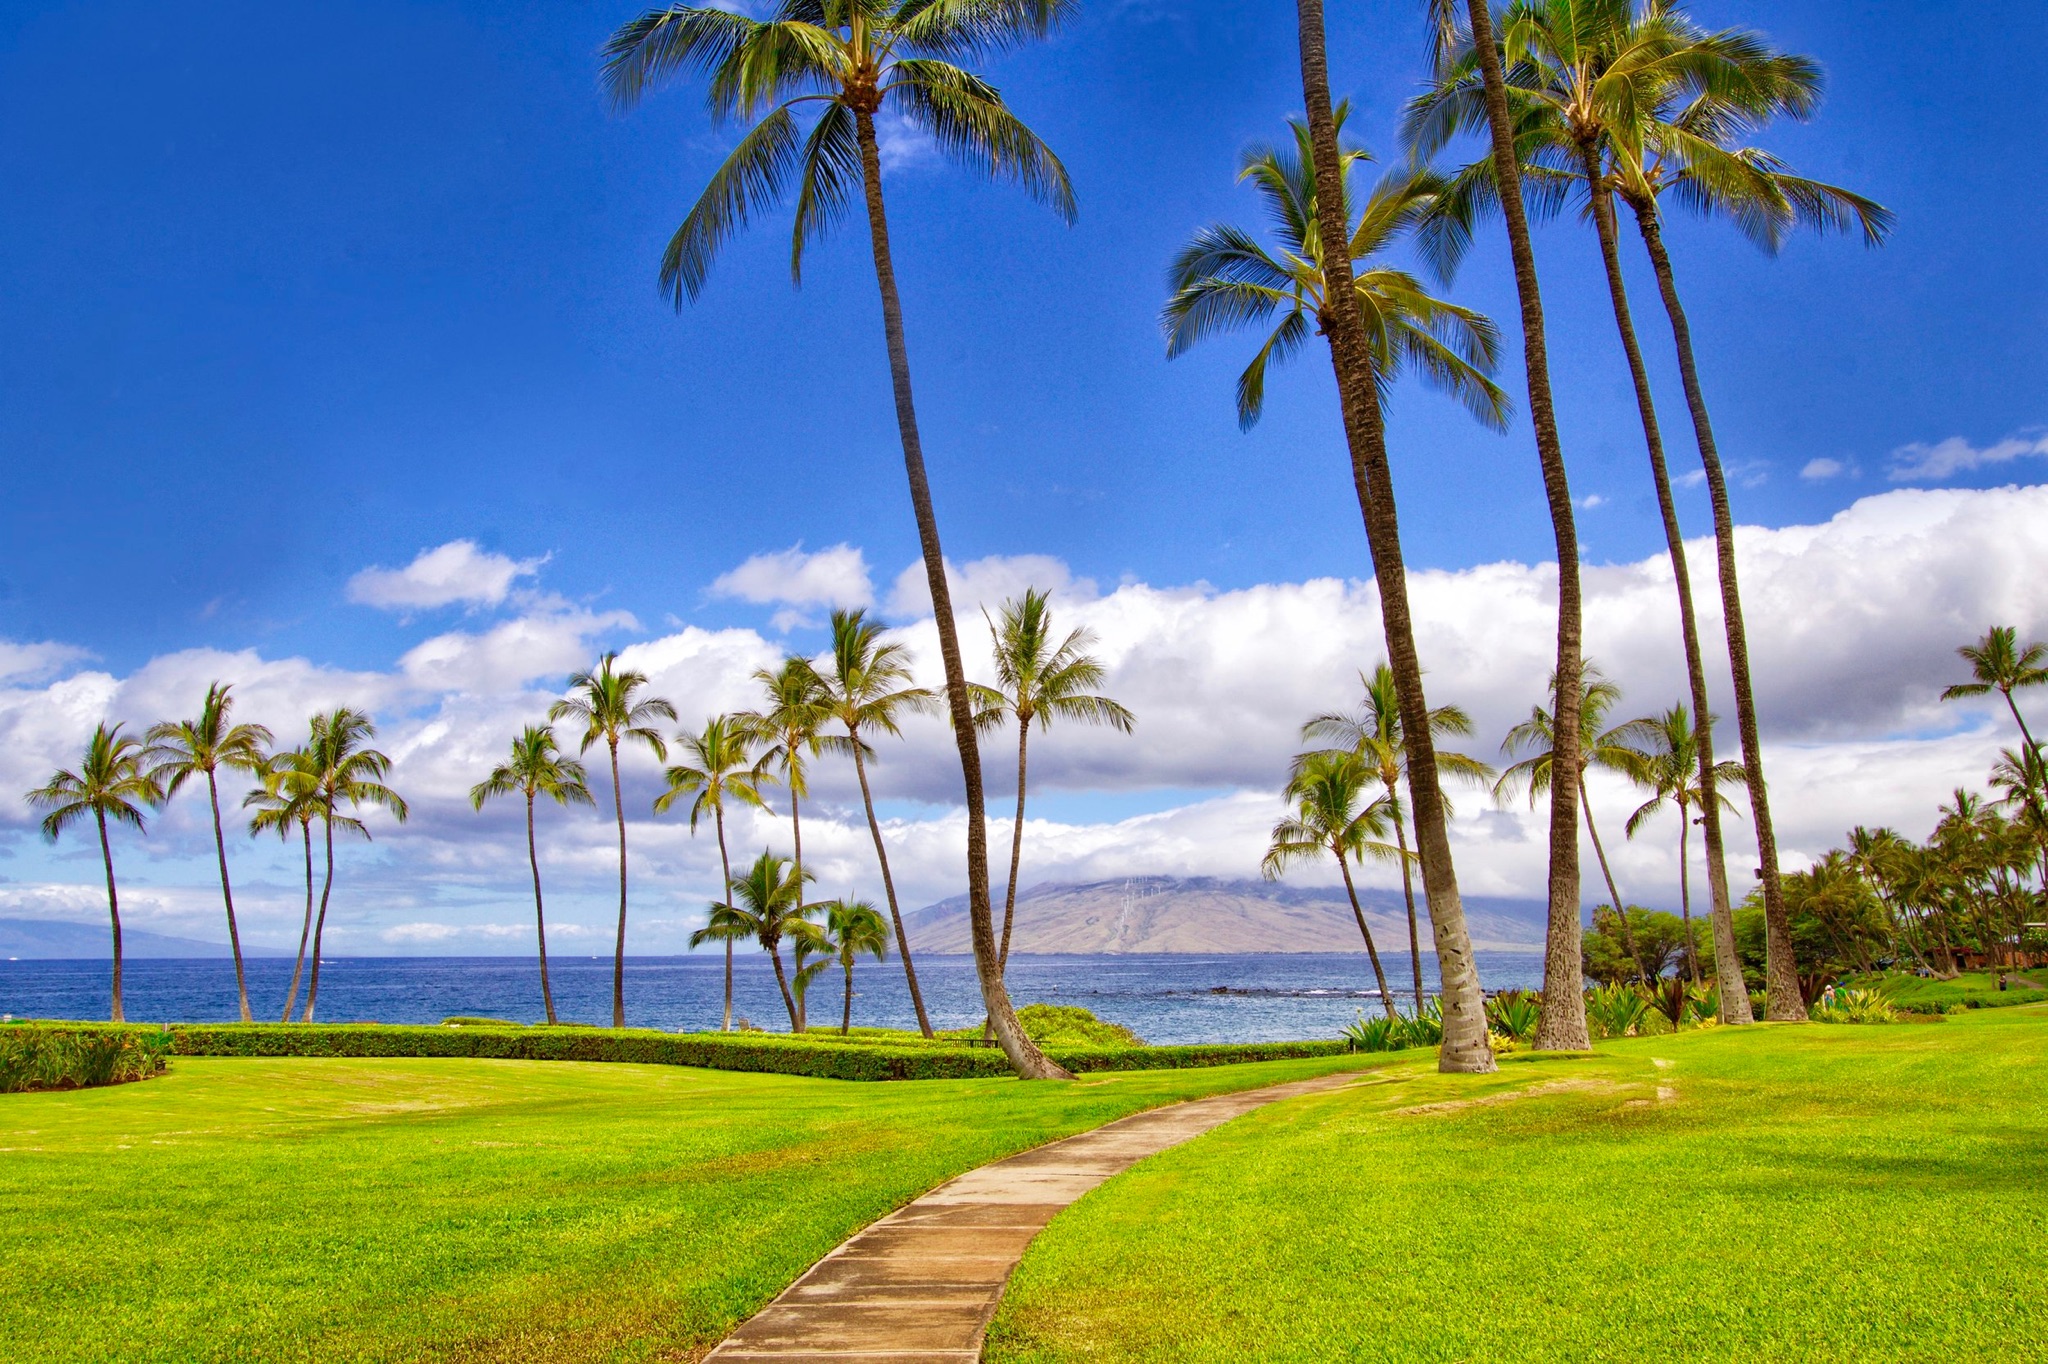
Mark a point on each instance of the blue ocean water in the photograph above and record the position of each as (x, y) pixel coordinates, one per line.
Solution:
(1164, 999)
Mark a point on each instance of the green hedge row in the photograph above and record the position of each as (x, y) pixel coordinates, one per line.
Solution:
(35, 1057)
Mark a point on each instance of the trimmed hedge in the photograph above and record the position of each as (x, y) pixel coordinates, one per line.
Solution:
(34, 1057)
(771, 1053)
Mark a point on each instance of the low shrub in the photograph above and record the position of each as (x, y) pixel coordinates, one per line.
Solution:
(1514, 1013)
(1854, 1006)
(1060, 1025)
(465, 1021)
(36, 1057)
(1375, 1034)
(1616, 1011)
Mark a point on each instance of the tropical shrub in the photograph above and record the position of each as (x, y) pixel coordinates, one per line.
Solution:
(1855, 1006)
(1702, 1004)
(1376, 1034)
(36, 1057)
(1513, 1013)
(1426, 1027)
(465, 1021)
(1616, 1011)
(1062, 1025)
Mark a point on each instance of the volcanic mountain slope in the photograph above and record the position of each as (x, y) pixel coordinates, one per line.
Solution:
(1210, 915)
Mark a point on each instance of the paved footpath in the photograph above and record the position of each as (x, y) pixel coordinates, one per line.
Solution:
(919, 1286)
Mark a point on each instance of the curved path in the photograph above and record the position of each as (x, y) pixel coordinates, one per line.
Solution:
(919, 1286)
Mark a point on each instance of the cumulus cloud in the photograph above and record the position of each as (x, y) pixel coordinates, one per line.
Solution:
(794, 580)
(458, 571)
(33, 662)
(1919, 463)
(987, 583)
(1820, 470)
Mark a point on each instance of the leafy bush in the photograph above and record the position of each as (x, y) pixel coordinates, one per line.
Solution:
(1513, 1013)
(36, 1057)
(1376, 1034)
(1426, 1028)
(1702, 1004)
(1059, 1025)
(1616, 1011)
(465, 1021)
(1855, 1006)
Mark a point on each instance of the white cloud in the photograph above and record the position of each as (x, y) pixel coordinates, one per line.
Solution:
(552, 642)
(1591, 501)
(1919, 463)
(835, 577)
(1819, 470)
(987, 583)
(33, 662)
(458, 571)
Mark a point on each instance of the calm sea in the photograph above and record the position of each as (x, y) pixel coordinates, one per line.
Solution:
(1164, 999)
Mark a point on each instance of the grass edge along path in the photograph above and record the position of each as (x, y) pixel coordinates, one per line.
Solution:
(1767, 1193)
(452, 1209)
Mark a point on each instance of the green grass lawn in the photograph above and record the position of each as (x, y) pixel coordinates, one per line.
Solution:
(1770, 1193)
(474, 1209)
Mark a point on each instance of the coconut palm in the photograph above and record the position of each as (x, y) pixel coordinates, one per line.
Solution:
(113, 781)
(851, 60)
(1039, 681)
(536, 767)
(609, 705)
(348, 774)
(1343, 323)
(1998, 663)
(1332, 817)
(866, 688)
(852, 927)
(182, 749)
(1373, 734)
(790, 729)
(288, 793)
(768, 903)
(718, 765)
(727, 924)
(1669, 768)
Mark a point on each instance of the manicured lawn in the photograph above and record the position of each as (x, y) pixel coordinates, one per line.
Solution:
(475, 1209)
(1774, 1193)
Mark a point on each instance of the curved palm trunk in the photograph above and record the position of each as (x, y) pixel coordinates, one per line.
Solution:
(1628, 936)
(1016, 838)
(1465, 1048)
(782, 982)
(113, 911)
(725, 868)
(540, 923)
(1692, 957)
(320, 925)
(220, 848)
(867, 800)
(1024, 1056)
(846, 1014)
(619, 951)
(1783, 1001)
(291, 1001)
(1727, 964)
(1408, 893)
(1563, 1021)
(1380, 975)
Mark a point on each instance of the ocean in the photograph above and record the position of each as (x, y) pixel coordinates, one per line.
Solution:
(1164, 998)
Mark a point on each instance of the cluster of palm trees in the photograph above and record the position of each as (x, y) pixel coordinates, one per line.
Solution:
(834, 704)
(326, 779)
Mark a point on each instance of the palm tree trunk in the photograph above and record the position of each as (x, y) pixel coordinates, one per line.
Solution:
(725, 870)
(220, 848)
(867, 800)
(1783, 1000)
(1563, 1022)
(1386, 995)
(1734, 1004)
(846, 1015)
(320, 924)
(619, 951)
(291, 1000)
(1024, 1056)
(782, 982)
(1016, 838)
(540, 923)
(1628, 936)
(113, 911)
(1408, 894)
(1465, 1048)
(1692, 958)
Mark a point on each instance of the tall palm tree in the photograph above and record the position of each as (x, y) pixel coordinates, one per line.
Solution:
(768, 902)
(790, 729)
(352, 775)
(536, 767)
(718, 764)
(1343, 322)
(851, 60)
(288, 793)
(1562, 1025)
(1331, 817)
(1998, 663)
(608, 703)
(113, 781)
(1373, 734)
(866, 687)
(206, 743)
(1039, 681)
(1588, 77)
(852, 927)
(727, 924)
(1670, 769)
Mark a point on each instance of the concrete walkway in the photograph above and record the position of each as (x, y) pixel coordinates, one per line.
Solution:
(920, 1286)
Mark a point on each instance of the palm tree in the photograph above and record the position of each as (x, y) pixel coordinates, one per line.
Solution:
(536, 767)
(852, 927)
(790, 730)
(1998, 663)
(717, 767)
(866, 686)
(608, 704)
(1327, 789)
(1343, 323)
(768, 903)
(288, 793)
(1563, 1022)
(852, 61)
(1670, 769)
(205, 744)
(1037, 680)
(1373, 734)
(352, 775)
(113, 781)
(726, 924)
